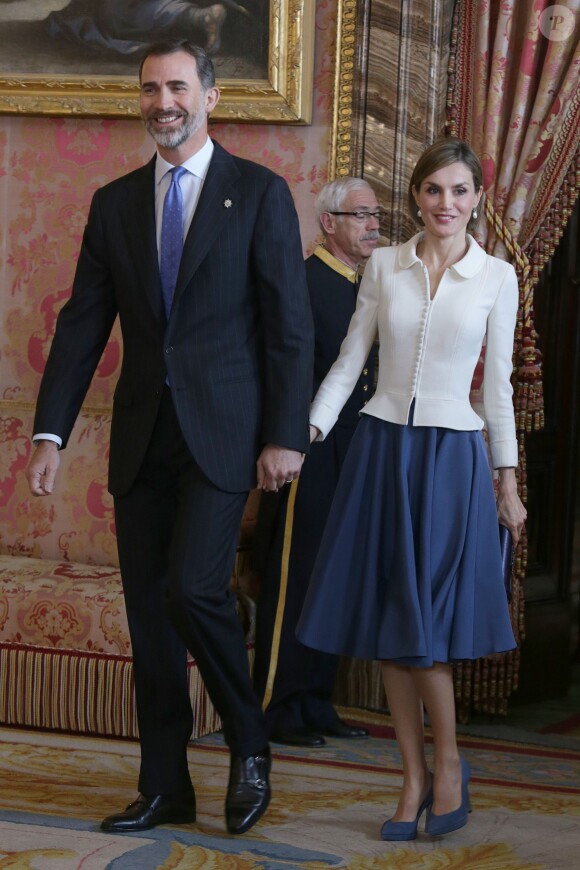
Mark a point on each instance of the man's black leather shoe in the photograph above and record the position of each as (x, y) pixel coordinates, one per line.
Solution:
(299, 736)
(151, 810)
(341, 729)
(248, 792)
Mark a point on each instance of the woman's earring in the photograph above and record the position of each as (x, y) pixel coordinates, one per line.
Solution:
(419, 213)
(474, 215)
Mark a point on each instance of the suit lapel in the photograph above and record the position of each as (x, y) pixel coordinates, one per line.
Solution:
(141, 200)
(217, 204)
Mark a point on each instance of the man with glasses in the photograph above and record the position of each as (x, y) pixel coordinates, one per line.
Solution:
(296, 682)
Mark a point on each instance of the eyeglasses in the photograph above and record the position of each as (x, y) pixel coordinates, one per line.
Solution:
(362, 216)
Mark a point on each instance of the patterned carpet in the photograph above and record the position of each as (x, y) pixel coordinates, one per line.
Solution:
(570, 726)
(554, 722)
(327, 810)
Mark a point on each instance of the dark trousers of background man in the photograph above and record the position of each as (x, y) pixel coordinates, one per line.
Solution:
(304, 678)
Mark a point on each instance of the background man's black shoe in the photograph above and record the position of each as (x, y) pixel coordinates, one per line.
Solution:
(299, 736)
(248, 792)
(148, 811)
(341, 729)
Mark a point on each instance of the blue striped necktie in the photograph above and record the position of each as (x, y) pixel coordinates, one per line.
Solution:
(171, 237)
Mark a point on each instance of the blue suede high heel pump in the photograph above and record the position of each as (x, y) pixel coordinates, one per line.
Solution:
(406, 830)
(448, 822)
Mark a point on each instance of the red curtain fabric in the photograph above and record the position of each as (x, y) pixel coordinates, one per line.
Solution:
(514, 95)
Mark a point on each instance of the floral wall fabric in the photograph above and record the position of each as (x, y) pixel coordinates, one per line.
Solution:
(49, 169)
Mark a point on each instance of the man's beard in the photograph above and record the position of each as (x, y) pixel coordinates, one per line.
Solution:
(174, 138)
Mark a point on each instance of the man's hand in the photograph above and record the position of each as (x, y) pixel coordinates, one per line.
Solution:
(42, 468)
(277, 466)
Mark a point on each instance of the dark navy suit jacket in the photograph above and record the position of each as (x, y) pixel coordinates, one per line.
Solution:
(237, 347)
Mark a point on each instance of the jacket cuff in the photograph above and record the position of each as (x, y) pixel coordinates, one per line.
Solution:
(504, 454)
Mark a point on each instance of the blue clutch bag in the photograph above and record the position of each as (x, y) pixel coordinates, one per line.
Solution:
(507, 558)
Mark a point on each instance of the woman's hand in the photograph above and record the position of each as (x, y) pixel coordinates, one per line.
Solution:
(314, 433)
(510, 510)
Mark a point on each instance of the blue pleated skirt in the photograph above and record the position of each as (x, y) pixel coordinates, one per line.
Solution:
(409, 566)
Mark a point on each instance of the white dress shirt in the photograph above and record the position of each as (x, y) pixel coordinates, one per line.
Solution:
(191, 184)
(429, 348)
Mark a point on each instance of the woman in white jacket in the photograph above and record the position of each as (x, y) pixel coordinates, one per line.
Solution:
(409, 569)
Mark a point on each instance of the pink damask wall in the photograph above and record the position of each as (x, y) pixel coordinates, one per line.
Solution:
(49, 169)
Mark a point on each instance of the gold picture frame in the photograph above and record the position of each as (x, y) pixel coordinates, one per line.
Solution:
(283, 96)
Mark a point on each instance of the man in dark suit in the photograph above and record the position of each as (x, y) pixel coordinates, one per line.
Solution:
(297, 682)
(212, 400)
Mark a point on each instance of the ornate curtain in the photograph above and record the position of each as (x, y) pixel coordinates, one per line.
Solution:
(513, 94)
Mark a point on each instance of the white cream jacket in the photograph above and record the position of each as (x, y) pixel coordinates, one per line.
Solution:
(429, 348)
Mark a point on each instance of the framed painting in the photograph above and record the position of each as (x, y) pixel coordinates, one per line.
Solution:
(79, 57)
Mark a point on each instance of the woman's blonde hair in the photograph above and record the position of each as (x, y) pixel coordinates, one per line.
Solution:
(442, 153)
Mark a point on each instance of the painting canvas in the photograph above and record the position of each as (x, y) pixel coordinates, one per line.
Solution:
(80, 56)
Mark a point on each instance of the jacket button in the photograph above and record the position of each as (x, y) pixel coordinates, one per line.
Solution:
(169, 350)
(365, 388)
(365, 371)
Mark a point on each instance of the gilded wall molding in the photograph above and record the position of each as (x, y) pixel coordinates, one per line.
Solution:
(344, 82)
(390, 93)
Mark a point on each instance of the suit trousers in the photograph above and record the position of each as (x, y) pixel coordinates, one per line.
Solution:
(177, 535)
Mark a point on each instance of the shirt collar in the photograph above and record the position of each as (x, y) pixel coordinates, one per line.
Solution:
(467, 267)
(334, 263)
(198, 164)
